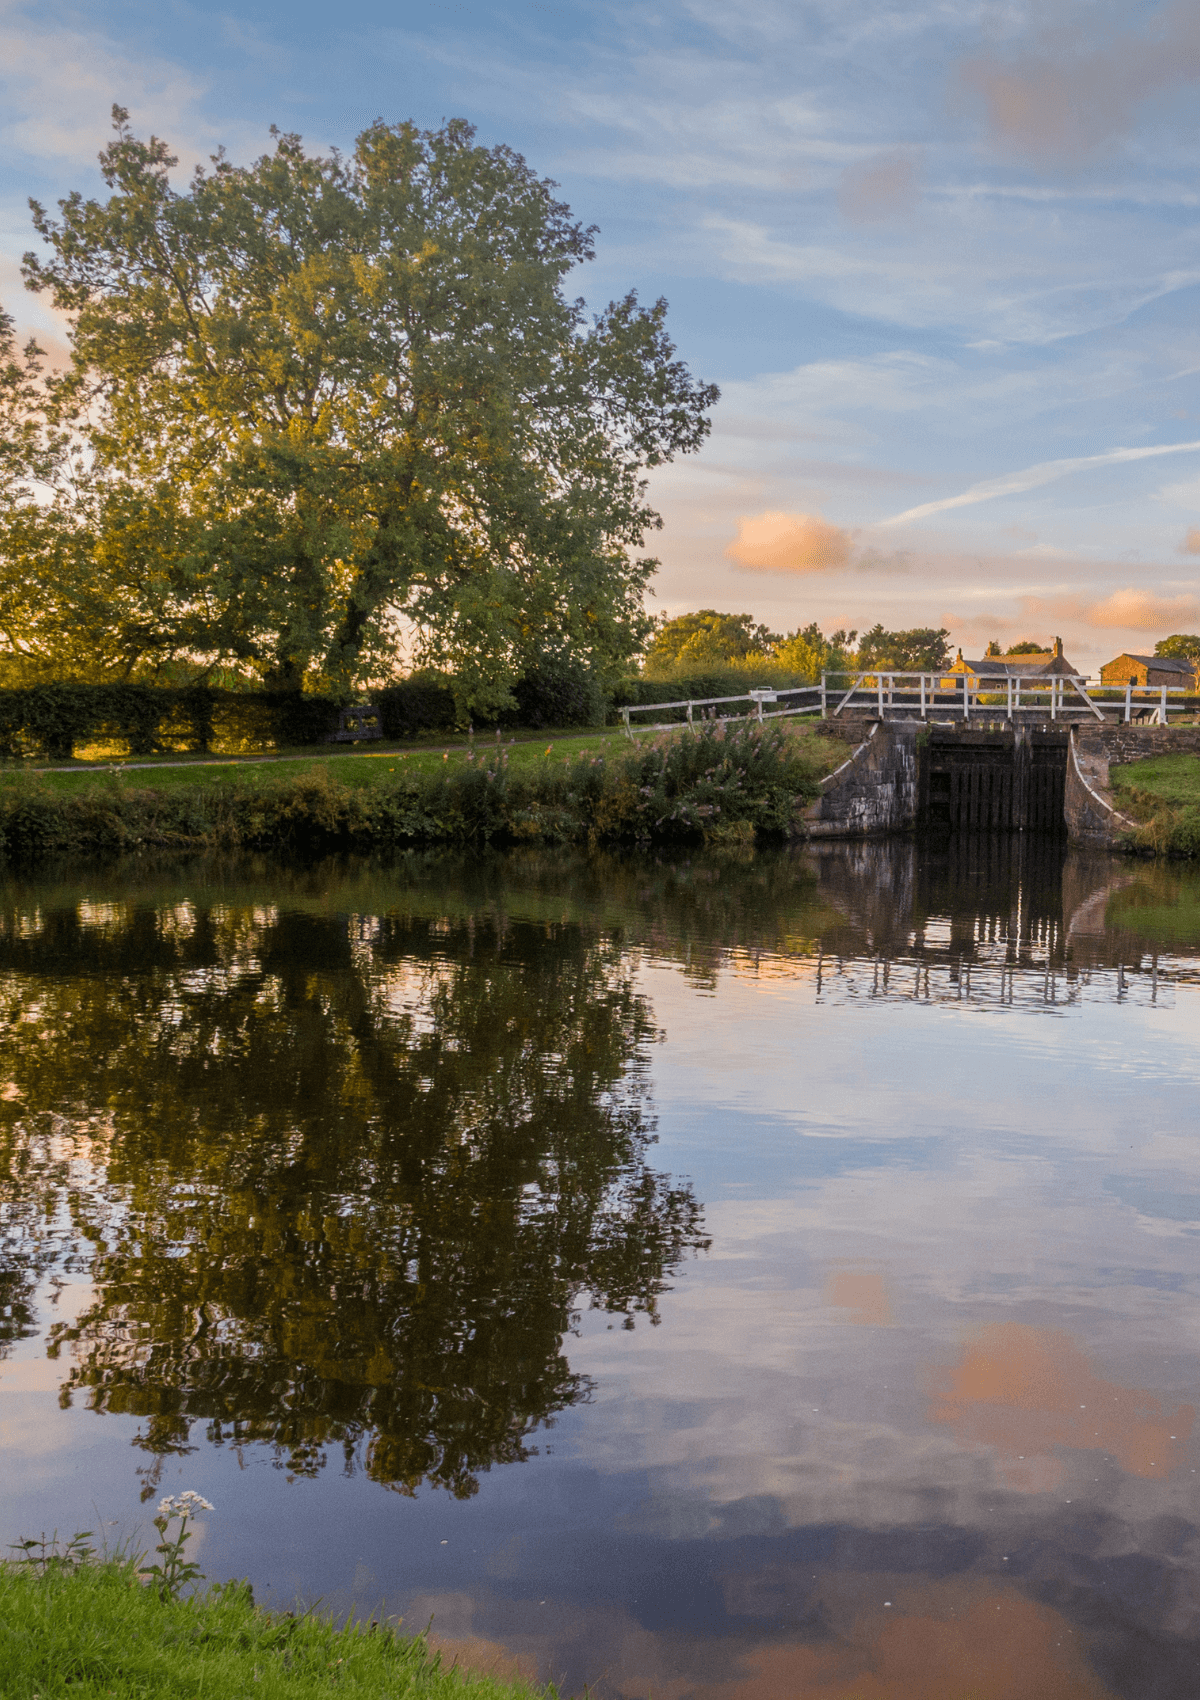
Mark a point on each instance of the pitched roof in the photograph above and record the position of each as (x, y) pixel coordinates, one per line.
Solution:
(1161, 663)
(1016, 667)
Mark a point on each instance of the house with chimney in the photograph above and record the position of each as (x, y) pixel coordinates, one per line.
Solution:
(1045, 662)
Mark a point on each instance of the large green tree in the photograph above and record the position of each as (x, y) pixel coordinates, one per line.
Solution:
(324, 395)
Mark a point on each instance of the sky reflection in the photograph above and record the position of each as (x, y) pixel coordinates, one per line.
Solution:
(907, 1409)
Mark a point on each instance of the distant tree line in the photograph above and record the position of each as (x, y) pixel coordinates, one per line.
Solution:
(690, 643)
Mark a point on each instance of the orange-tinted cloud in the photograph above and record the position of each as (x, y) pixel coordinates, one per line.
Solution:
(1128, 609)
(937, 1641)
(861, 1293)
(1027, 1391)
(1075, 95)
(789, 543)
(878, 188)
(1191, 543)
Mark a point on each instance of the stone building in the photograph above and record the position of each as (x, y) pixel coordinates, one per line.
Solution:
(1167, 670)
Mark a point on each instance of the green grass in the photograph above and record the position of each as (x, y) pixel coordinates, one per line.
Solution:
(93, 1632)
(368, 767)
(1162, 793)
(725, 782)
(376, 767)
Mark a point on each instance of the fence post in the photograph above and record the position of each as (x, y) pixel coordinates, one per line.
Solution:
(628, 728)
(1054, 697)
(822, 696)
(966, 700)
(1009, 693)
(1162, 713)
(922, 696)
(689, 713)
(879, 689)
(1128, 701)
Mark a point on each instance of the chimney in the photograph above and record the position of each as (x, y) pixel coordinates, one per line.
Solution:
(1058, 655)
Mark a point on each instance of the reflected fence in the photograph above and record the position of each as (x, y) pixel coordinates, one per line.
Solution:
(990, 984)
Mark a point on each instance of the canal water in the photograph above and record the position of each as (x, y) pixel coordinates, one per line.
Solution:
(735, 1276)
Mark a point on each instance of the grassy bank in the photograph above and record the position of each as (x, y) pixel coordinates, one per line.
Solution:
(94, 1630)
(1163, 794)
(721, 781)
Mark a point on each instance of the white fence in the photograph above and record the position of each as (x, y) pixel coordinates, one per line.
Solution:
(959, 695)
(1057, 695)
(760, 697)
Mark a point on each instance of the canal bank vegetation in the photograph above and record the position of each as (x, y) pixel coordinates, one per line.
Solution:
(93, 1631)
(1163, 795)
(720, 782)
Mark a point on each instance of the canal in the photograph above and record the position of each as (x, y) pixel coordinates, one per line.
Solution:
(738, 1275)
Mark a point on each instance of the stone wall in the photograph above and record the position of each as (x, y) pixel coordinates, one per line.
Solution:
(1138, 743)
(1091, 815)
(873, 792)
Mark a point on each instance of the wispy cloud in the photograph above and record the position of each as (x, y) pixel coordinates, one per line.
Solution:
(1032, 477)
(1076, 91)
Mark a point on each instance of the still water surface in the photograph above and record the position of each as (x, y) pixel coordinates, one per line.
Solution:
(738, 1277)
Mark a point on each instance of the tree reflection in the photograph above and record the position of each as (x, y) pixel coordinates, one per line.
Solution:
(359, 1173)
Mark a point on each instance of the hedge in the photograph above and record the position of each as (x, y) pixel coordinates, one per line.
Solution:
(52, 720)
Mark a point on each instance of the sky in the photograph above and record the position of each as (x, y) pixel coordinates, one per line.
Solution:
(942, 258)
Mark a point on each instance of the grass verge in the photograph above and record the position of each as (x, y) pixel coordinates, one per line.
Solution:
(721, 781)
(94, 1632)
(1163, 794)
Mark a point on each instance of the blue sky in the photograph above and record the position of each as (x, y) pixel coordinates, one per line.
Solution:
(943, 260)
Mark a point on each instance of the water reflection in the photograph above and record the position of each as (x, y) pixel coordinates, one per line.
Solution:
(349, 1179)
(991, 920)
(356, 1162)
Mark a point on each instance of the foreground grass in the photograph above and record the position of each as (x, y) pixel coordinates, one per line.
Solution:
(367, 767)
(721, 781)
(372, 766)
(1164, 795)
(93, 1630)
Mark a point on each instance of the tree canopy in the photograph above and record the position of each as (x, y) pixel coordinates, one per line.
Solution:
(707, 638)
(1182, 646)
(921, 649)
(324, 394)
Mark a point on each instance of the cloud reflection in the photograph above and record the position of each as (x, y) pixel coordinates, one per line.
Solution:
(865, 1636)
(1027, 1391)
(861, 1293)
(931, 1641)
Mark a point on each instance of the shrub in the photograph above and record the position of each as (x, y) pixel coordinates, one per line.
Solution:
(558, 692)
(422, 703)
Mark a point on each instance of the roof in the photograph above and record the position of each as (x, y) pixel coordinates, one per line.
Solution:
(1021, 666)
(1160, 663)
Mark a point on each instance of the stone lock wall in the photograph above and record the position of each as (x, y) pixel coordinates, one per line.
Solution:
(874, 791)
(1122, 744)
(878, 788)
